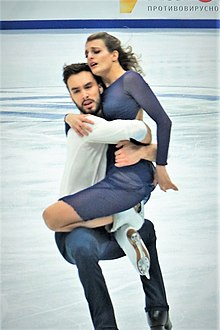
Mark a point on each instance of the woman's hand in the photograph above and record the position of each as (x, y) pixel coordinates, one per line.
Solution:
(163, 180)
(130, 154)
(78, 123)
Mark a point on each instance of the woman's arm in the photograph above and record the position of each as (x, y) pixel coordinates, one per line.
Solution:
(147, 100)
(141, 92)
(148, 137)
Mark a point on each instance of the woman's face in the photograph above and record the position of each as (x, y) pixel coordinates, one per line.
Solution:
(99, 58)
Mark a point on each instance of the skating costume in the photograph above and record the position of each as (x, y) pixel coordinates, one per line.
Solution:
(122, 188)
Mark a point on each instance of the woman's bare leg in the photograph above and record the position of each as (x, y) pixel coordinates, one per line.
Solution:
(61, 217)
(94, 223)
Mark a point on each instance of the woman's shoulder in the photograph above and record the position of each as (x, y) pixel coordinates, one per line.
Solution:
(130, 74)
(133, 77)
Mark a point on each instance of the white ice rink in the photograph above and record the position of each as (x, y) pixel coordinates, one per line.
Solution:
(39, 289)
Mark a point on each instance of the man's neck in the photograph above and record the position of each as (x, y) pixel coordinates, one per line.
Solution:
(100, 113)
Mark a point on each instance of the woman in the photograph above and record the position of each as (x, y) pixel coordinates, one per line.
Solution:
(126, 92)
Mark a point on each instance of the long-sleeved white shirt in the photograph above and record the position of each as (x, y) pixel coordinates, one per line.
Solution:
(86, 156)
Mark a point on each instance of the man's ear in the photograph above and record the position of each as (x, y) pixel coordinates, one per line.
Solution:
(100, 89)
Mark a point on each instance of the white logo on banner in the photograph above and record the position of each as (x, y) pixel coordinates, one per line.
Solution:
(186, 9)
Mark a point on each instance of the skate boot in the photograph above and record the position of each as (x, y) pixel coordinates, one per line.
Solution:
(129, 217)
(139, 208)
(131, 243)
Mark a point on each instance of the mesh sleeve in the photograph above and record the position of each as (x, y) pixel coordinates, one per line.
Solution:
(136, 86)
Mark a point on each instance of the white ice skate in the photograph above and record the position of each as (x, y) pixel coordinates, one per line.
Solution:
(133, 217)
(131, 243)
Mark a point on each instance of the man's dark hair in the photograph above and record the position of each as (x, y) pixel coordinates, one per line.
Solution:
(75, 68)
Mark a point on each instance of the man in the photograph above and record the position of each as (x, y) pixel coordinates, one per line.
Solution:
(84, 247)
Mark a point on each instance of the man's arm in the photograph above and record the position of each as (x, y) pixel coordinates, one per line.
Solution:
(100, 130)
(78, 122)
(82, 125)
(110, 132)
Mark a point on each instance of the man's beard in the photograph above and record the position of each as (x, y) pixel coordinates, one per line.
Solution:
(96, 112)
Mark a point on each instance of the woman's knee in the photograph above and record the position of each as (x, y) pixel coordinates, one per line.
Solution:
(54, 215)
(49, 218)
(59, 215)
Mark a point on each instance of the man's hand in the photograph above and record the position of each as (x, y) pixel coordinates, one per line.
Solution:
(78, 123)
(163, 180)
(130, 154)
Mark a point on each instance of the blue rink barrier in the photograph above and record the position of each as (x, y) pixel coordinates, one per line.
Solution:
(111, 24)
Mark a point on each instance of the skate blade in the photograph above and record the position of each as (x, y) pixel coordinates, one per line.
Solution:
(143, 257)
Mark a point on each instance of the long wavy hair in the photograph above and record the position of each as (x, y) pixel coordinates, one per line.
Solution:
(127, 59)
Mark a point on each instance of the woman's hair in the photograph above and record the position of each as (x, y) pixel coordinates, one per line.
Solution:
(126, 58)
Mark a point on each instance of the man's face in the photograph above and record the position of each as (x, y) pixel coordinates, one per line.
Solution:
(85, 92)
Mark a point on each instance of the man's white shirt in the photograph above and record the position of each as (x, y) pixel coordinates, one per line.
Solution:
(86, 156)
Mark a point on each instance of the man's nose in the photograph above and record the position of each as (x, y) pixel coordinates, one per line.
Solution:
(85, 95)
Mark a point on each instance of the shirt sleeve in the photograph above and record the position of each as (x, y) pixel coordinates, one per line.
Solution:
(136, 86)
(110, 132)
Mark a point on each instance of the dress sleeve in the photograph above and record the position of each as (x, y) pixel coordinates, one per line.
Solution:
(136, 86)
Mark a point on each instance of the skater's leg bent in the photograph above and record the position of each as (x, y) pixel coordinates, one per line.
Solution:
(61, 217)
(85, 247)
(94, 223)
(104, 199)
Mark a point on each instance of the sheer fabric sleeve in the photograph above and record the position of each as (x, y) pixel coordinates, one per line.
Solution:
(136, 86)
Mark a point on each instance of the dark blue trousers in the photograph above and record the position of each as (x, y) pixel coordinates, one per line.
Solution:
(85, 247)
